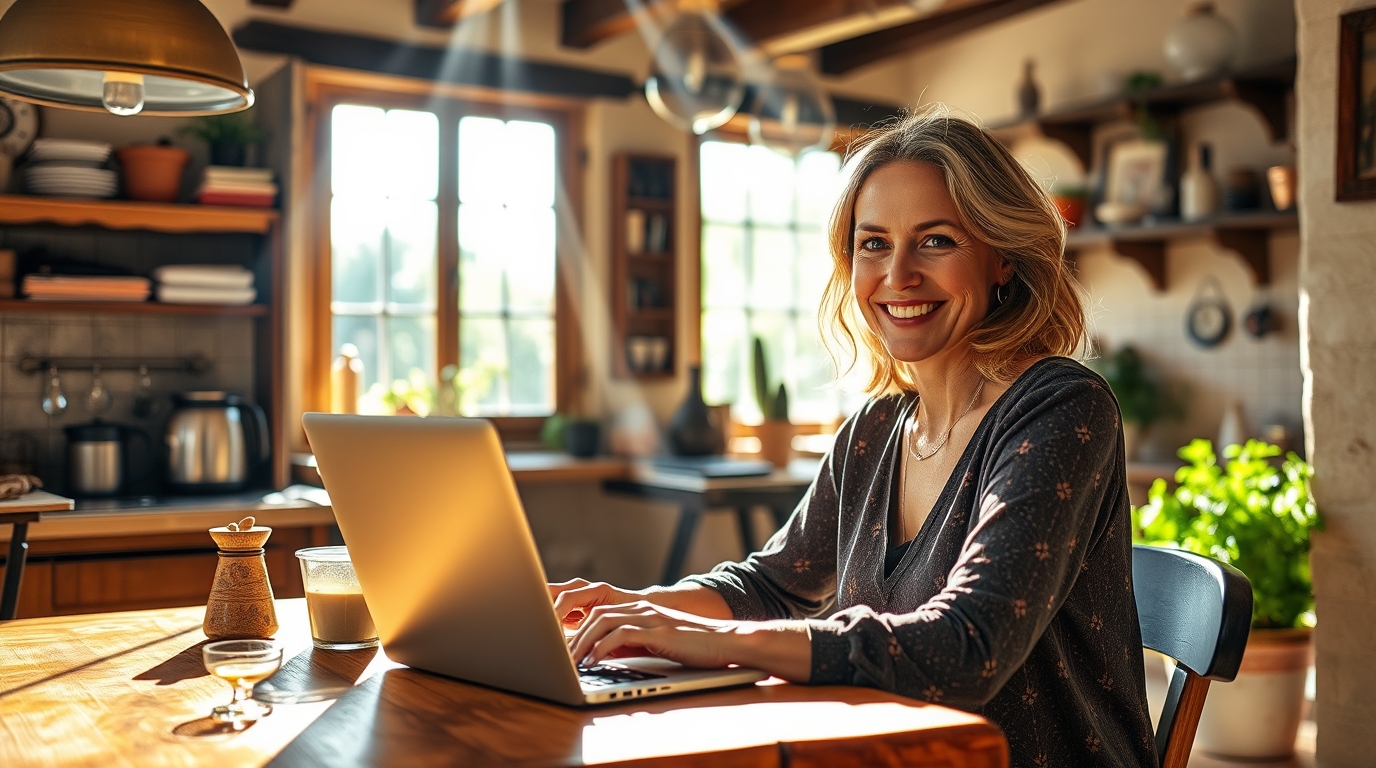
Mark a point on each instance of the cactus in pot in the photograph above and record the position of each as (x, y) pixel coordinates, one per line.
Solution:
(775, 432)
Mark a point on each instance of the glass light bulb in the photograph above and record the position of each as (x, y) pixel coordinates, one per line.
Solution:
(696, 82)
(123, 93)
(792, 113)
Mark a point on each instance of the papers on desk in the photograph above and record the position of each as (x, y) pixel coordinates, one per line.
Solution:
(712, 466)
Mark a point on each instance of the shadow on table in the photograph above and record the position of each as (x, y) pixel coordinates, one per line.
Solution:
(315, 675)
(208, 728)
(188, 664)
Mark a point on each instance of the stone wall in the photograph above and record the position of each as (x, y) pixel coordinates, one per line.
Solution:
(1337, 282)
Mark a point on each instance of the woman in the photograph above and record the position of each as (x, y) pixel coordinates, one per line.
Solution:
(967, 539)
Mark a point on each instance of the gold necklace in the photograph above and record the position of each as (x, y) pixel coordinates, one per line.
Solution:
(913, 450)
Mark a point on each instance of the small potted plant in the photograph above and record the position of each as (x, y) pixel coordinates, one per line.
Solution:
(1255, 513)
(775, 432)
(229, 136)
(1141, 398)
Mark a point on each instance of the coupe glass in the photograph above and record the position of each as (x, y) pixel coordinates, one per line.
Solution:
(242, 664)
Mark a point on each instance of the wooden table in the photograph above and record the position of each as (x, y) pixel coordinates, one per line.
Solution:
(129, 689)
(19, 513)
(780, 491)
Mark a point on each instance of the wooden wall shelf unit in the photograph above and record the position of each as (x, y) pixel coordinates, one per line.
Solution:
(1247, 234)
(260, 251)
(124, 214)
(134, 308)
(644, 267)
(1264, 88)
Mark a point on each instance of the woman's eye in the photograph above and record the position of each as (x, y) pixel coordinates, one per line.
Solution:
(872, 244)
(938, 241)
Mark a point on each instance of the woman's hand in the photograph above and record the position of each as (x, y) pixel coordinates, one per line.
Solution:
(574, 599)
(782, 648)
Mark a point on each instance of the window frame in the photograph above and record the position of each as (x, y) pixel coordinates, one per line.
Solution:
(327, 88)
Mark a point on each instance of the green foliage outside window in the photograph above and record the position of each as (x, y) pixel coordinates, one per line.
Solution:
(1249, 513)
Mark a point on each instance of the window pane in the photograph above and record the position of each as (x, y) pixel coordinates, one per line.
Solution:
(530, 262)
(412, 346)
(481, 262)
(530, 165)
(357, 142)
(812, 397)
(723, 182)
(813, 266)
(482, 158)
(483, 365)
(412, 142)
(818, 182)
(357, 230)
(723, 266)
(771, 179)
(771, 269)
(726, 352)
(532, 366)
(411, 258)
(362, 332)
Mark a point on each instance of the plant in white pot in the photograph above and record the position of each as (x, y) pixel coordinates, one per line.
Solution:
(1255, 513)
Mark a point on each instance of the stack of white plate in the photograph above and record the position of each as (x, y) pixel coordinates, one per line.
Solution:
(70, 168)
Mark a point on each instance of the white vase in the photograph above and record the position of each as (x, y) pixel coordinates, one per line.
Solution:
(1202, 44)
(1257, 716)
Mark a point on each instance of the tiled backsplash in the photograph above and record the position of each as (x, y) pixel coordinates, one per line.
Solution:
(227, 342)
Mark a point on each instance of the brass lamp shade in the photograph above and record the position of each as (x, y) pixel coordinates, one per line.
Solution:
(57, 53)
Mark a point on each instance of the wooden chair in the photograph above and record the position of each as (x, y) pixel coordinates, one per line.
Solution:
(1197, 611)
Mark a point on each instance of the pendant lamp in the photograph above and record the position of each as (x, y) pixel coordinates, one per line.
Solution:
(151, 57)
(696, 82)
(792, 112)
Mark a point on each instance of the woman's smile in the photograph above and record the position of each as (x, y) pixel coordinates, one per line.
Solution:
(907, 314)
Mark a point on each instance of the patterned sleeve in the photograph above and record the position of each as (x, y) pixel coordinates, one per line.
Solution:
(794, 575)
(1042, 484)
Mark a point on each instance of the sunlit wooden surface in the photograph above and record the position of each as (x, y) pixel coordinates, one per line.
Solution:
(128, 689)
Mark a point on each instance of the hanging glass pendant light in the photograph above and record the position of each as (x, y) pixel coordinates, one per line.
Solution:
(792, 112)
(152, 57)
(696, 82)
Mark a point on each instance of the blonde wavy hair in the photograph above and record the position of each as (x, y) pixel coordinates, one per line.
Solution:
(1001, 205)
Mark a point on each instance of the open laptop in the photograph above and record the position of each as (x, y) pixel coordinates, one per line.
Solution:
(449, 569)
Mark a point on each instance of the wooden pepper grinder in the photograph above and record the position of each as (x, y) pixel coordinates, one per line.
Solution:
(240, 604)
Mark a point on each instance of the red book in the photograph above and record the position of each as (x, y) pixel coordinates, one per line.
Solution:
(230, 198)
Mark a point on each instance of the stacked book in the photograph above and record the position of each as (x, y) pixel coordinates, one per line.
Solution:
(85, 288)
(226, 285)
(225, 185)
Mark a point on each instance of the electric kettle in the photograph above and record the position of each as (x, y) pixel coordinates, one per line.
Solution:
(100, 458)
(215, 442)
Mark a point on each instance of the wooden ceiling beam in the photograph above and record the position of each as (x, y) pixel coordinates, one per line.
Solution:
(586, 23)
(840, 58)
(444, 14)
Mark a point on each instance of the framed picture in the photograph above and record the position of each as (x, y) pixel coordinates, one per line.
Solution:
(1356, 175)
(1136, 172)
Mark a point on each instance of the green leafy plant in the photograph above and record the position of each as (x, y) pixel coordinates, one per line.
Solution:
(1141, 398)
(235, 129)
(774, 407)
(1251, 514)
(1138, 87)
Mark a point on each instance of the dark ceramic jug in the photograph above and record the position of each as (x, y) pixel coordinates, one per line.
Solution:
(691, 432)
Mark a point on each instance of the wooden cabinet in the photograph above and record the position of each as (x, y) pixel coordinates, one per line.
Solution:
(71, 576)
(644, 267)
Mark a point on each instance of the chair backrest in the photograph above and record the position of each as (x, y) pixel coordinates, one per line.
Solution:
(1197, 611)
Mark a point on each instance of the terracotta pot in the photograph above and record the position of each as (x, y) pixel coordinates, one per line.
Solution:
(153, 173)
(776, 442)
(1283, 183)
(1257, 716)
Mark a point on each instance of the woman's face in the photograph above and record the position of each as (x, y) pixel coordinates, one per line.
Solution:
(922, 281)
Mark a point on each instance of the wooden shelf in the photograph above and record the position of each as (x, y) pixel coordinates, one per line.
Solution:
(124, 214)
(133, 307)
(1247, 234)
(1264, 88)
(648, 277)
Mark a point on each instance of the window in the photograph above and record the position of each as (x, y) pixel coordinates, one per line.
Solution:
(765, 262)
(442, 252)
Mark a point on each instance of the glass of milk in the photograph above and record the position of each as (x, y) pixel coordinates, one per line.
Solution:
(339, 618)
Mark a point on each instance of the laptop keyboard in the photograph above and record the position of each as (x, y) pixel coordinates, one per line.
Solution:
(601, 675)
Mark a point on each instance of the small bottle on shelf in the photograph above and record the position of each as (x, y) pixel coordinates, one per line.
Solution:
(346, 380)
(1198, 190)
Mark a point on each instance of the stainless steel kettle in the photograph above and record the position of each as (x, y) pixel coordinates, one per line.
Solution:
(215, 441)
(100, 458)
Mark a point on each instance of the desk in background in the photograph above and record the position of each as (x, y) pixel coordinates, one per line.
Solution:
(780, 492)
(130, 689)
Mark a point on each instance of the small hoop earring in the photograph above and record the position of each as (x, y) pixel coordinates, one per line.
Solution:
(1003, 296)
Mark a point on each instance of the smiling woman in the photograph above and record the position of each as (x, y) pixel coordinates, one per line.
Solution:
(967, 539)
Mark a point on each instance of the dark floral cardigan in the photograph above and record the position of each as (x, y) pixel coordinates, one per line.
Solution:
(1015, 598)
